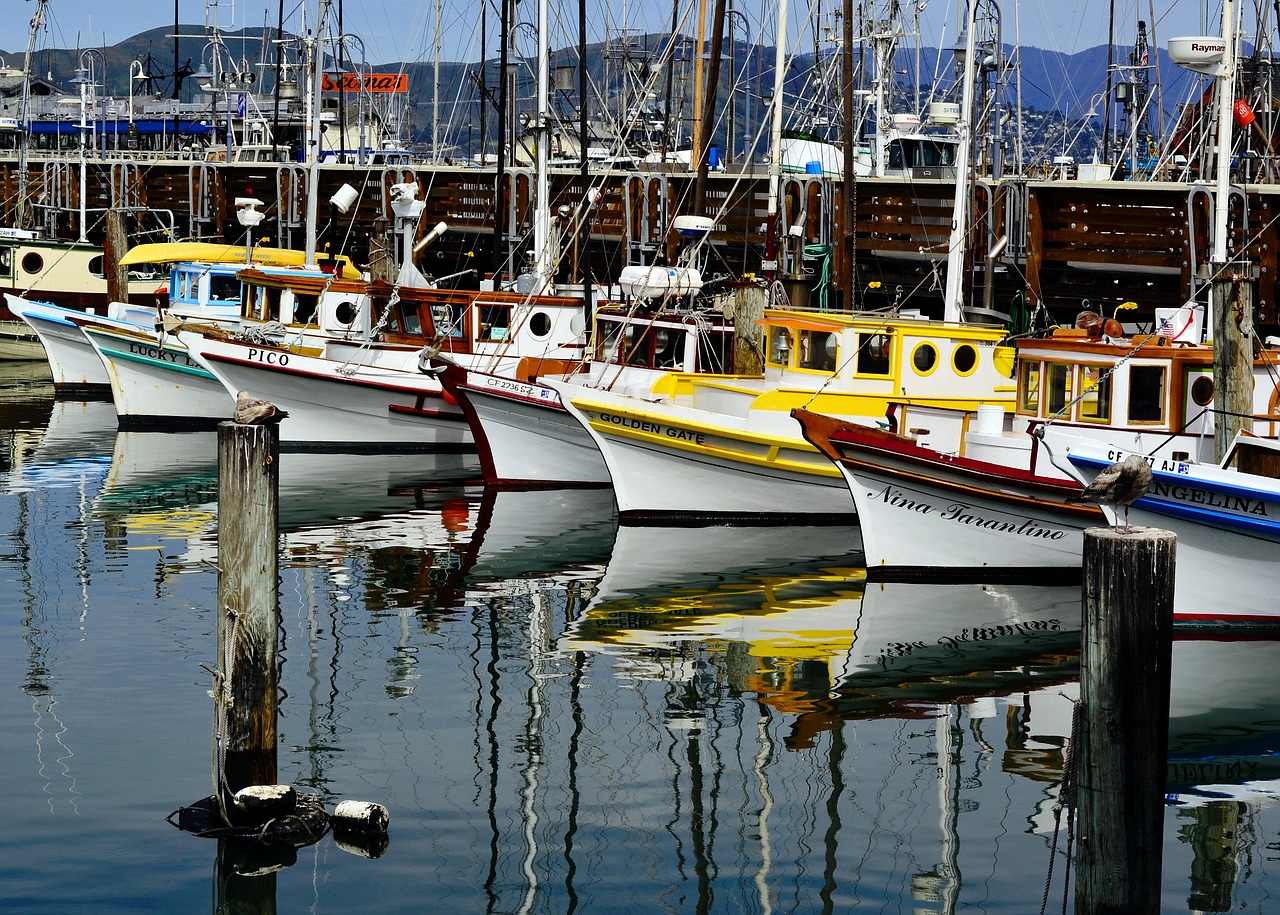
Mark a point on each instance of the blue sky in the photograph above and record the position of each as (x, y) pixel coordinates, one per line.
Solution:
(405, 29)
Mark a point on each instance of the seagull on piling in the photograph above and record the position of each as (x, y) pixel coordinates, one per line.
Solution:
(1123, 483)
(253, 412)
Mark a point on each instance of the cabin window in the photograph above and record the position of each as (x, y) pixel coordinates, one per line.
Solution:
(1202, 391)
(924, 358)
(874, 351)
(818, 350)
(97, 265)
(715, 351)
(608, 342)
(1029, 387)
(780, 346)
(304, 309)
(1095, 394)
(1057, 383)
(1146, 394)
(540, 324)
(448, 322)
(224, 288)
(636, 348)
(666, 348)
(32, 262)
(964, 359)
(271, 305)
(6, 262)
(495, 322)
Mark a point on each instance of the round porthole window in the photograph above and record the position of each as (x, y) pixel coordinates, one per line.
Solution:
(964, 359)
(346, 312)
(924, 358)
(32, 262)
(1202, 391)
(540, 324)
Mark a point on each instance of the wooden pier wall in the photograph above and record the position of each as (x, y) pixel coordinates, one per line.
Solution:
(1070, 244)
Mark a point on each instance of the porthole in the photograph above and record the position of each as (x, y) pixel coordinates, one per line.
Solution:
(540, 324)
(32, 262)
(964, 359)
(346, 312)
(924, 358)
(1202, 391)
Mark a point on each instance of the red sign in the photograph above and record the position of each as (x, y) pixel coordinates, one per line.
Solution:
(373, 82)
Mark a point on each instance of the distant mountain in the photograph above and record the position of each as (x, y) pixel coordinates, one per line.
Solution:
(1067, 92)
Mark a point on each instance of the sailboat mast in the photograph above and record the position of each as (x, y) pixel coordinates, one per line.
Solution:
(24, 207)
(775, 141)
(952, 304)
(315, 65)
(543, 260)
(1226, 88)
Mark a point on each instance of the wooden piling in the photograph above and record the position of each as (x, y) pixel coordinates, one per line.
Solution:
(114, 248)
(1122, 753)
(246, 703)
(1232, 354)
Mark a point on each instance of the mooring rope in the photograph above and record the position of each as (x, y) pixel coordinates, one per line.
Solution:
(1067, 802)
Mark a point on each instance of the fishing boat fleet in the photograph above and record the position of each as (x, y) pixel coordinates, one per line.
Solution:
(958, 446)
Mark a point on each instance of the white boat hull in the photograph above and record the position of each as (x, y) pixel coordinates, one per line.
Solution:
(914, 525)
(525, 435)
(72, 359)
(155, 381)
(370, 409)
(1228, 538)
(666, 469)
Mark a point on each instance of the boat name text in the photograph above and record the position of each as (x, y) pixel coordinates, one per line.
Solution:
(641, 425)
(268, 356)
(1191, 495)
(155, 352)
(961, 514)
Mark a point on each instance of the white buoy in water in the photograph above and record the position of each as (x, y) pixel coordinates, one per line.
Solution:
(361, 816)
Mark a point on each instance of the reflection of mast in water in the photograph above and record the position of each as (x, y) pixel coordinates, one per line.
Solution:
(942, 884)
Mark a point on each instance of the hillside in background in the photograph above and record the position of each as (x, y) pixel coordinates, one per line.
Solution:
(1062, 95)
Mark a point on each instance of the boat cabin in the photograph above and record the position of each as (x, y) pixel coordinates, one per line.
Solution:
(1147, 385)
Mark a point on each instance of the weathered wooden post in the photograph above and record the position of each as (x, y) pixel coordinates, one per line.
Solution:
(117, 243)
(246, 702)
(1232, 354)
(1122, 754)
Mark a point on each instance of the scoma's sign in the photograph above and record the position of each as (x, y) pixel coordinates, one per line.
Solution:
(373, 82)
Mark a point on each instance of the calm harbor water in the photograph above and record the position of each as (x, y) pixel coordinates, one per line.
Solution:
(561, 715)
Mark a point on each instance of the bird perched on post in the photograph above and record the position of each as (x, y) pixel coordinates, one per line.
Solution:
(253, 412)
(1123, 483)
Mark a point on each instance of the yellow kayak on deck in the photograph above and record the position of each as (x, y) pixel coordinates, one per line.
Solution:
(214, 252)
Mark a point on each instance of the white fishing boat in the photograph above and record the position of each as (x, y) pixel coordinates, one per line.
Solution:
(526, 436)
(701, 446)
(74, 364)
(154, 382)
(1226, 516)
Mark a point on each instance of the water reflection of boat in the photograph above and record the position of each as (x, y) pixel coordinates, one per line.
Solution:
(1224, 731)
(529, 535)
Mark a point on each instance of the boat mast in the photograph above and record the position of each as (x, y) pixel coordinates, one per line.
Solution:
(1226, 88)
(775, 144)
(22, 215)
(315, 64)
(952, 305)
(544, 260)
